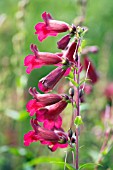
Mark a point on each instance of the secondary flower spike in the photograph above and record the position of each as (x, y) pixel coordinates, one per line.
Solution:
(39, 59)
(50, 27)
(92, 73)
(55, 138)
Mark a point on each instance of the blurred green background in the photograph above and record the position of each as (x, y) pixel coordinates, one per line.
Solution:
(17, 21)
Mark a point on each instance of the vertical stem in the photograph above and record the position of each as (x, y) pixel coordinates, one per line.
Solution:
(78, 110)
(77, 150)
(78, 113)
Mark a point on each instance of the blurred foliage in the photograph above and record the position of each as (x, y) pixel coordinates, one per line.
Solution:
(17, 21)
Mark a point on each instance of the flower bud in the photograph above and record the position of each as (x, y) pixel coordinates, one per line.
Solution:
(63, 42)
(71, 91)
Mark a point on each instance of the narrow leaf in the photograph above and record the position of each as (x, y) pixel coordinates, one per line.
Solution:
(73, 82)
(89, 166)
(85, 80)
(52, 160)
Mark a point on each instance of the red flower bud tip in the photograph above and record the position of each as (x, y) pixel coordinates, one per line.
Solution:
(41, 100)
(50, 27)
(40, 59)
(92, 74)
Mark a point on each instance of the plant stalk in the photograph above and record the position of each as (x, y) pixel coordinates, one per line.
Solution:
(77, 112)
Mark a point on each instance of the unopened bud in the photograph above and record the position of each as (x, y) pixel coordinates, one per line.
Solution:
(81, 92)
(71, 91)
(70, 133)
(73, 138)
(63, 42)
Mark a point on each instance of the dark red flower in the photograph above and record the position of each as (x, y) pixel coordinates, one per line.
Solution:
(46, 99)
(50, 27)
(30, 137)
(41, 100)
(55, 138)
(48, 83)
(32, 106)
(63, 42)
(69, 53)
(50, 115)
(39, 59)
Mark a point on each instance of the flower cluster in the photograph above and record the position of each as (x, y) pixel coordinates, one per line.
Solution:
(47, 107)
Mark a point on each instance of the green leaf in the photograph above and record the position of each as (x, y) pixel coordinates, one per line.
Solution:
(52, 160)
(71, 75)
(84, 43)
(78, 121)
(73, 82)
(89, 166)
(85, 80)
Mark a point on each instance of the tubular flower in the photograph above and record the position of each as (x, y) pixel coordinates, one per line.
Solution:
(69, 53)
(55, 138)
(41, 100)
(46, 99)
(50, 115)
(92, 74)
(50, 27)
(39, 59)
(48, 83)
(32, 106)
(63, 42)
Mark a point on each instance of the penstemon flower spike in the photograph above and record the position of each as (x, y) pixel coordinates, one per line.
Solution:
(47, 108)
